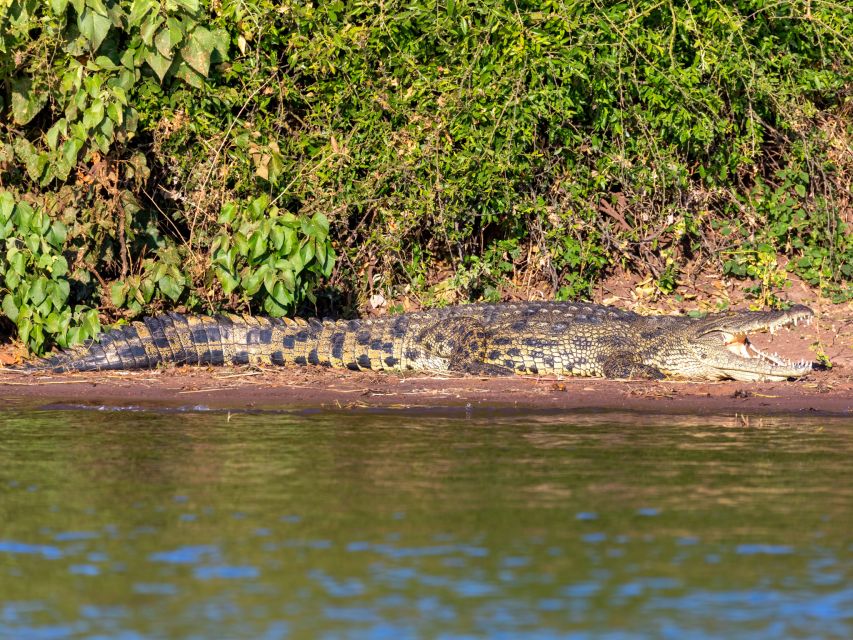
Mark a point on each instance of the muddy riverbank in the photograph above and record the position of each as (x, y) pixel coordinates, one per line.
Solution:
(823, 392)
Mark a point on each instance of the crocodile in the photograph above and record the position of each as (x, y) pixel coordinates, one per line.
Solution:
(550, 338)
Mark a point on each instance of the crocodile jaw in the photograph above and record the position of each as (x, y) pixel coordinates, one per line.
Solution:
(741, 360)
(747, 362)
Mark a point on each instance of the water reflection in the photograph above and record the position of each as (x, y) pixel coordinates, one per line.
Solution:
(277, 525)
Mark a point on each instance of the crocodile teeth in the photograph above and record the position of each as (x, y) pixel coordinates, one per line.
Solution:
(774, 358)
(786, 323)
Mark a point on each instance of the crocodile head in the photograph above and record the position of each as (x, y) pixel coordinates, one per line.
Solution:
(721, 347)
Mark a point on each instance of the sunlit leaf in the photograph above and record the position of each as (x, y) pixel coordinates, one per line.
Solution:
(158, 63)
(170, 287)
(200, 44)
(58, 6)
(27, 100)
(94, 27)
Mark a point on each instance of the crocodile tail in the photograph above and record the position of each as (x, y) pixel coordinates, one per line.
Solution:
(172, 339)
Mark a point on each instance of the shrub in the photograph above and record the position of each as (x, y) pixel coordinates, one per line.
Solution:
(208, 154)
(35, 274)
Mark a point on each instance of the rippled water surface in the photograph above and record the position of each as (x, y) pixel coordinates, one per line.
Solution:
(209, 525)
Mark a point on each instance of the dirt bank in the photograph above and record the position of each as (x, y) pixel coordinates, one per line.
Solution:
(826, 393)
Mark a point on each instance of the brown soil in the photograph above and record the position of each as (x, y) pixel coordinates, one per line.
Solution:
(825, 391)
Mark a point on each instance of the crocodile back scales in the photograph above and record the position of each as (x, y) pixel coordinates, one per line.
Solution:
(533, 337)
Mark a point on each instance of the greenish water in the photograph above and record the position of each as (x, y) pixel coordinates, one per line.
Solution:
(204, 525)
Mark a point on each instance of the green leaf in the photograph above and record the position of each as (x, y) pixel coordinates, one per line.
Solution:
(18, 263)
(320, 252)
(289, 241)
(221, 40)
(252, 280)
(277, 237)
(257, 206)
(59, 268)
(60, 292)
(289, 281)
(307, 252)
(120, 94)
(53, 133)
(115, 113)
(321, 225)
(57, 234)
(158, 63)
(257, 245)
(24, 328)
(227, 280)
(75, 335)
(105, 63)
(12, 280)
(24, 214)
(226, 258)
(53, 322)
(200, 44)
(38, 290)
(227, 213)
(801, 190)
(159, 271)
(270, 280)
(281, 294)
(170, 287)
(329, 265)
(26, 100)
(139, 9)
(146, 290)
(91, 324)
(9, 307)
(97, 5)
(37, 336)
(7, 206)
(163, 42)
(241, 243)
(189, 5)
(58, 7)
(94, 27)
(94, 114)
(273, 308)
(118, 293)
(70, 150)
(183, 71)
(148, 29)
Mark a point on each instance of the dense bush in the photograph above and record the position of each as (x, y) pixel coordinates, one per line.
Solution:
(247, 155)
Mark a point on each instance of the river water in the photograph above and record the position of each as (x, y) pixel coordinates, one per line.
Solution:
(200, 524)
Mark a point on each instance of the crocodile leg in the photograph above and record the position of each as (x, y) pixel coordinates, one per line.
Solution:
(462, 342)
(625, 365)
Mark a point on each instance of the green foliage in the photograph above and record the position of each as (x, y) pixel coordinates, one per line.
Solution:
(159, 280)
(270, 256)
(99, 52)
(480, 145)
(34, 279)
(793, 224)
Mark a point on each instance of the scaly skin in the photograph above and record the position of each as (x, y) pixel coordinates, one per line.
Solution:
(557, 338)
